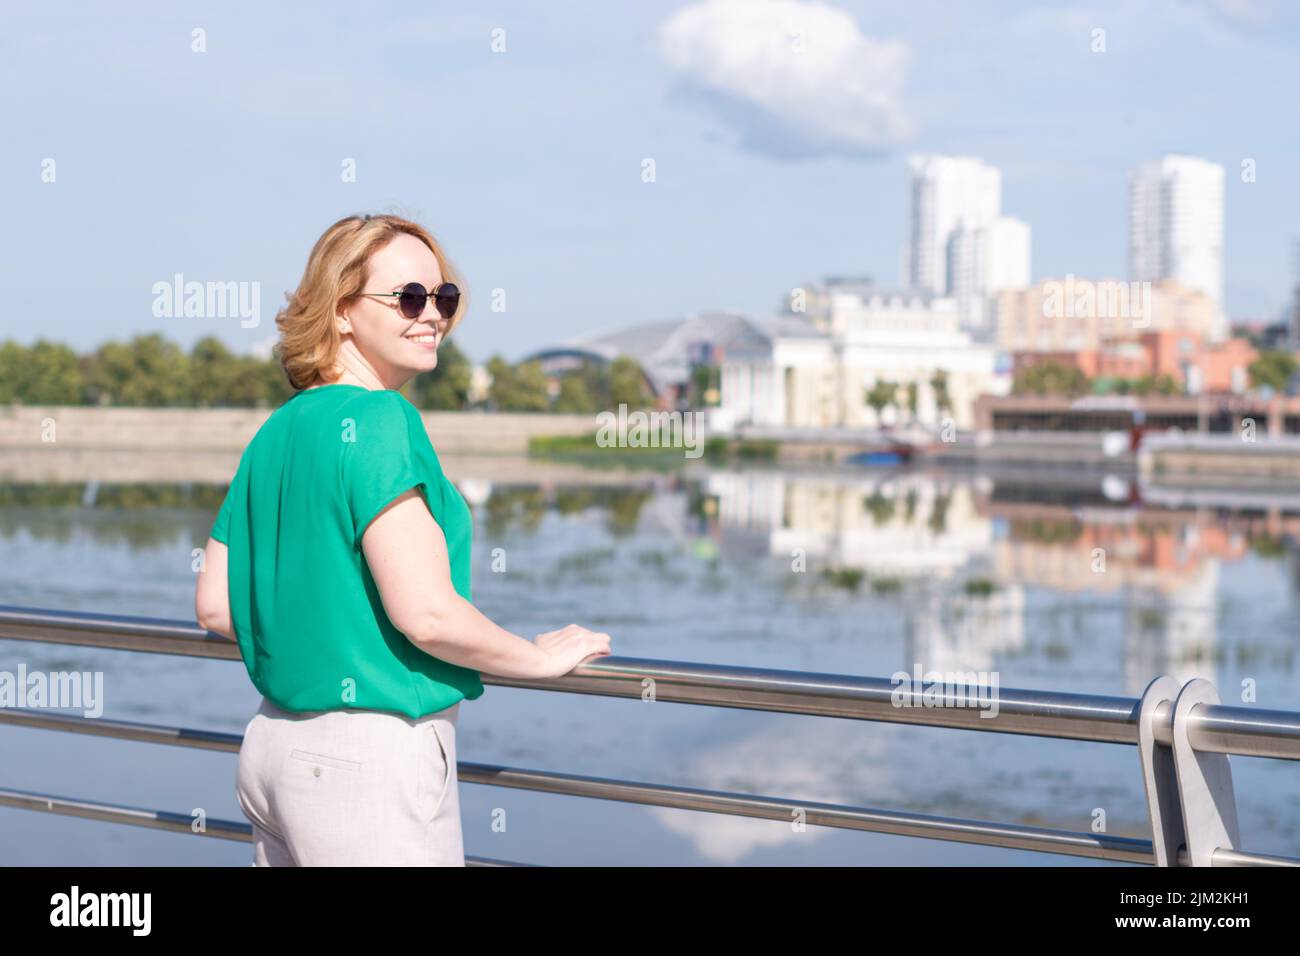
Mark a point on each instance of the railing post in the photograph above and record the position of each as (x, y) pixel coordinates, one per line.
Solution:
(1159, 776)
(1204, 783)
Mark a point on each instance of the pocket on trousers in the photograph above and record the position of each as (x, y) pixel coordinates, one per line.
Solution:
(321, 760)
(443, 770)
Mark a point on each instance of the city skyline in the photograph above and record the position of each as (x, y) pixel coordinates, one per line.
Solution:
(205, 173)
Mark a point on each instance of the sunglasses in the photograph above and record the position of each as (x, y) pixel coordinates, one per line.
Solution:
(413, 298)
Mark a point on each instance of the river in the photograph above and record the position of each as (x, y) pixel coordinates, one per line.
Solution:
(1069, 585)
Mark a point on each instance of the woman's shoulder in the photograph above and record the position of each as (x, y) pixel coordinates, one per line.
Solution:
(382, 402)
(390, 417)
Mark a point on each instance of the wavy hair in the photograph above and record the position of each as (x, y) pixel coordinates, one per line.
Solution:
(336, 274)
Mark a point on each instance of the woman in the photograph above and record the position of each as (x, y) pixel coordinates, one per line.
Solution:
(340, 562)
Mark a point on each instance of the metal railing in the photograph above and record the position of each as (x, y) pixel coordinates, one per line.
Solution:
(1183, 734)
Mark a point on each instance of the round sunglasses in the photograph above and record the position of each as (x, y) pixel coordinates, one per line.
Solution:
(413, 298)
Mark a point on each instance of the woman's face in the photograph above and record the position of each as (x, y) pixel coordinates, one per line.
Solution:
(395, 347)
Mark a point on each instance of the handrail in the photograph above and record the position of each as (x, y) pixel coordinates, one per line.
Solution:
(156, 819)
(1246, 731)
(1208, 726)
(1008, 836)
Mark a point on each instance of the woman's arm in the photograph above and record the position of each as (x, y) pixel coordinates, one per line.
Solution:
(211, 594)
(407, 555)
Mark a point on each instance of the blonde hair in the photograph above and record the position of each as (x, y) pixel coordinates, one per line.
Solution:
(336, 273)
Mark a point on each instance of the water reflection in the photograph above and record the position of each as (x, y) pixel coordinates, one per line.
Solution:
(958, 555)
(965, 551)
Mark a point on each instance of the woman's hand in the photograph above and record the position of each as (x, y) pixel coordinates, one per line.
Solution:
(569, 648)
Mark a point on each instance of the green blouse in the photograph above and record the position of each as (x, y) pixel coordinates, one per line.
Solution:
(310, 623)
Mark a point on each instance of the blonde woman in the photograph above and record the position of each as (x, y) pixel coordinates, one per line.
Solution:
(340, 563)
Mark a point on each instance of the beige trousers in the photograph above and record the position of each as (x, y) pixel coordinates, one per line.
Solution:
(351, 788)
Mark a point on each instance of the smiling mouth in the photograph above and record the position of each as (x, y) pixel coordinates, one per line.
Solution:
(423, 339)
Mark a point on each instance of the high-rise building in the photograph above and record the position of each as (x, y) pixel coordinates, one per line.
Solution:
(983, 261)
(1176, 227)
(947, 191)
(961, 245)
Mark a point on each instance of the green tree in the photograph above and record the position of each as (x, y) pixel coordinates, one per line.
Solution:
(13, 359)
(595, 379)
(1153, 384)
(1273, 368)
(275, 383)
(47, 373)
(517, 388)
(147, 371)
(255, 383)
(212, 372)
(939, 384)
(881, 395)
(574, 397)
(627, 384)
(1050, 378)
(55, 375)
(1166, 384)
(446, 388)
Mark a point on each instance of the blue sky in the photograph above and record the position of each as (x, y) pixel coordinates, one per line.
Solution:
(769, 171)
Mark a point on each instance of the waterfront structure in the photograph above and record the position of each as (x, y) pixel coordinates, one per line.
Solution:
(1277, 416)
(816, 370)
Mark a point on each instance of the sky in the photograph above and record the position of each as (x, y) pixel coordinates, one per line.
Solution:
(523, 136)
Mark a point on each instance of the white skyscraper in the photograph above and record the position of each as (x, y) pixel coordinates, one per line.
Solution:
(1008, 256)
(985, 260)
(1176, 226)
(961, 245)
(947, 191)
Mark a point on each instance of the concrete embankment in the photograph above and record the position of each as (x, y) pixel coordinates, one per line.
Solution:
(76, 444)
(230, 429)
(1200, 460)
(1064, 451)
(1189, 459)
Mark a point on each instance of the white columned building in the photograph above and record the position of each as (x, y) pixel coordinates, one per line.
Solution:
(816, 371)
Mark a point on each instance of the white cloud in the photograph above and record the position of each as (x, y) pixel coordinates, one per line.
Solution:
(796, 78)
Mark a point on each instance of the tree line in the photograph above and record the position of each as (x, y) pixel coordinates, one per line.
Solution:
(1274, 369)
(150, 371)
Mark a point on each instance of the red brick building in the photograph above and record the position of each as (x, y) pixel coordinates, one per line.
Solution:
(1195, 365)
